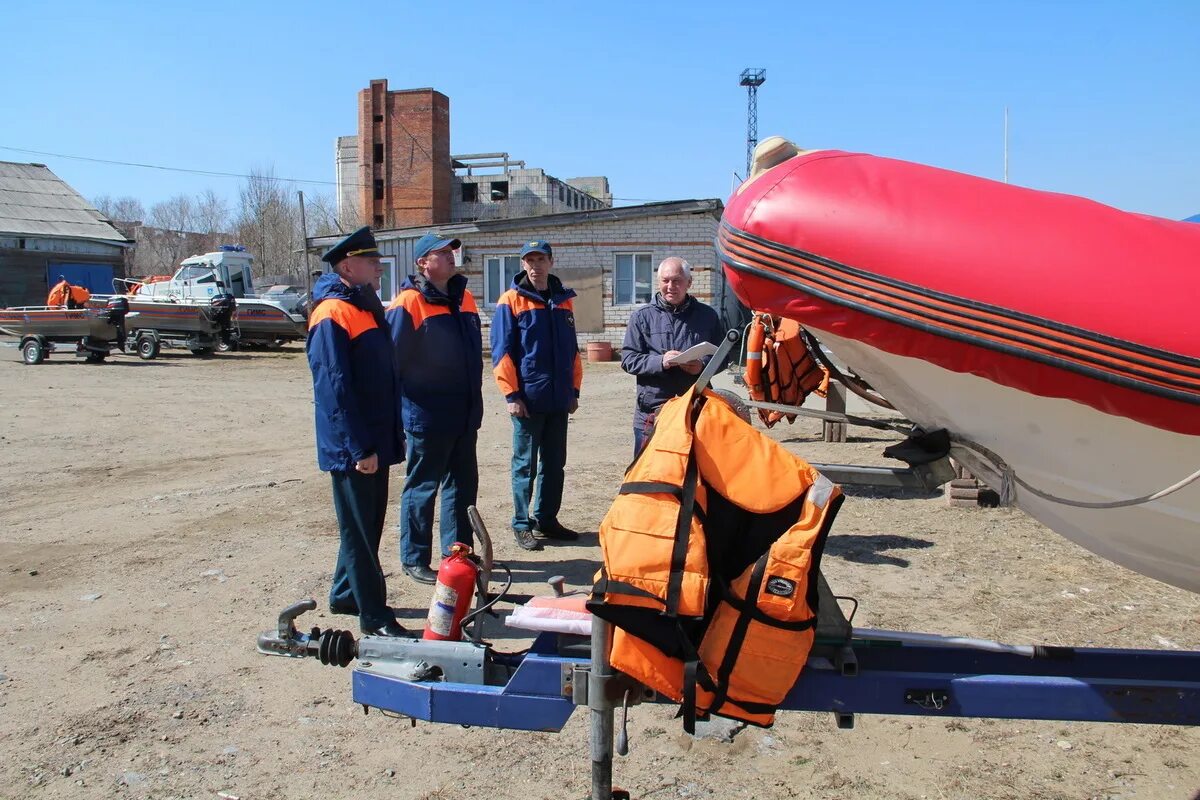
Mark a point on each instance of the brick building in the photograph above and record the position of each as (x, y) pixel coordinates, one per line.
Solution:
(398, 171)
(607, 256)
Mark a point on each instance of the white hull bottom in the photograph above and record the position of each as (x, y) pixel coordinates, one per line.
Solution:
(1063, 448)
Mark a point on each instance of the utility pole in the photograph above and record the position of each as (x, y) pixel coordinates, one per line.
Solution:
(752, 78)
(304, 245)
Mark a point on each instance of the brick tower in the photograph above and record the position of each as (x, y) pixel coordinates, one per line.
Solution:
(404, 156)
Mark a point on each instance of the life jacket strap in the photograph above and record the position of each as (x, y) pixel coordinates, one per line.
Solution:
(651, 487)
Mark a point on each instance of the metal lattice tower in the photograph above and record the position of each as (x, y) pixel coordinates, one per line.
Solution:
(752, 79)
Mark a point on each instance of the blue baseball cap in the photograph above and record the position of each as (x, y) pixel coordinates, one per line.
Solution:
(430, 242)
(537, 246)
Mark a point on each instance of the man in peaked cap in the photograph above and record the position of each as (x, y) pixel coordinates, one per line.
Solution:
(435, 329)
(358, 435)
(535, 358)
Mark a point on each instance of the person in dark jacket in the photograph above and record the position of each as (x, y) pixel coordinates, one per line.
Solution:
(535, 358)
(358, 435)
(656, 334)
(435, 330)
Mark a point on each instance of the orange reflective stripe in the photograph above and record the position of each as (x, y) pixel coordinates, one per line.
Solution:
(468, 303)
(519, 303)
(419, 309)
(506, 376)
(354, 321)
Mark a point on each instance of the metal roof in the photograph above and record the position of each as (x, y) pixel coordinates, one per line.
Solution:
(667, 208)
(36, 202)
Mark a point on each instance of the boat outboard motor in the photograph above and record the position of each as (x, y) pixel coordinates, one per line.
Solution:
(114, 312)
(221, 310)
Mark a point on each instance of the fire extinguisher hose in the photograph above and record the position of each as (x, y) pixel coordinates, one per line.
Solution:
(483, 592)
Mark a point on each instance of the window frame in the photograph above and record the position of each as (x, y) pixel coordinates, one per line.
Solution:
(487, 276)
(634, 255)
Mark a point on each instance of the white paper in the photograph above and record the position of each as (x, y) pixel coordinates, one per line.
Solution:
(694, 353)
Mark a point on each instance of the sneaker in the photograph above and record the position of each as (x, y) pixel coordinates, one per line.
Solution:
(525, 540)
(554, 530)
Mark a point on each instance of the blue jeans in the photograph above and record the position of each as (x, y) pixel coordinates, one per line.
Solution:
(361, 504)
(539, 453)
(437, 459)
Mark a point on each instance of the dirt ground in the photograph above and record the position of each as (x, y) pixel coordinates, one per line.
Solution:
(156, 516)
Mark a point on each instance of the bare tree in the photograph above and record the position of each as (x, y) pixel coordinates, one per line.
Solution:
(119, 210)
(173, 221)
(321, 210)
(268, 223)
(211, 220)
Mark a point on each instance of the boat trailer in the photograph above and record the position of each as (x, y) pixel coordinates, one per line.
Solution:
(849, 671)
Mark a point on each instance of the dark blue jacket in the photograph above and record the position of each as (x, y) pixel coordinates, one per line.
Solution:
(439, 356)
(354, 379)
(535, 356)
(656, 328)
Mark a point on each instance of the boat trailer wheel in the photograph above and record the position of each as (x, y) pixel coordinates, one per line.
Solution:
(147, 347)
(33, 352)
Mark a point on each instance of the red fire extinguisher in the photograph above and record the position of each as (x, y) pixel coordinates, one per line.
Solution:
(451, 595)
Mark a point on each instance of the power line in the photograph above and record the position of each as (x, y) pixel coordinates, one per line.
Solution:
(218, 174)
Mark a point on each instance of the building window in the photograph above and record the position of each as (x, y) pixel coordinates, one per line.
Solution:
(631, 279)
(561, 195)
(470, 192)
(379, 152)
(378, 221)
(498, 273)
(378, 188)
(499, 190)
(378, 117)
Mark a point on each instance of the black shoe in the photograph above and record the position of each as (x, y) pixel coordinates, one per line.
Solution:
(525, 540)
(554, 530)
(343, 608)
(420, 573)
(391, 629)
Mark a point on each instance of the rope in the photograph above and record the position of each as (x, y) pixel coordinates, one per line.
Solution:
(1009, 477)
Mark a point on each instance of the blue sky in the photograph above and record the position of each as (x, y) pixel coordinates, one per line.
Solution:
(1102, 96)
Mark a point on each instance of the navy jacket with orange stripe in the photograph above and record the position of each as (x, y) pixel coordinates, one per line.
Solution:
(439, 356)
(535, 355)
(354, 378)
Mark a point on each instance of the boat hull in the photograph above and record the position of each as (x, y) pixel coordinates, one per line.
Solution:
(991, 311)
(58, 324)
(264, 322)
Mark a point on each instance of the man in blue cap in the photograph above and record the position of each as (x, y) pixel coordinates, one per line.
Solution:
(435, 330)
(358, 438)
(535, 358)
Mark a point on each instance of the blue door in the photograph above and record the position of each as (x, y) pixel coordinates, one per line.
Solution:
(96, 278)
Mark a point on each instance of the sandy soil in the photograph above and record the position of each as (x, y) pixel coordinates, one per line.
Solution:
(157, 515)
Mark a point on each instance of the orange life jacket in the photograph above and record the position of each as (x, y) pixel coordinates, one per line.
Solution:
(711, 552)
(779, 366)
(66, 295)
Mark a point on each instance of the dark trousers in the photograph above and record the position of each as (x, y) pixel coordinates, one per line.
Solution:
(361, 504)
(539, 455)
(437, 460)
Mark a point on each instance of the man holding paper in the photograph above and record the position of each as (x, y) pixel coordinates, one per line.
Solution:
(662, 347)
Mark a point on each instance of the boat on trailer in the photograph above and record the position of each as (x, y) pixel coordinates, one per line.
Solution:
(1054, 338)
(67, 323)
(258, 321)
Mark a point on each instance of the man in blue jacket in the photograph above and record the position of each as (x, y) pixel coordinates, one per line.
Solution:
(535, 358)
(435, 330)
(657, 333)
(358, 438)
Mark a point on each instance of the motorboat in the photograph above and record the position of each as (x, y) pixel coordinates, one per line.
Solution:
(67, 322)
(199, 325)
(1055, 339)
(258, 320)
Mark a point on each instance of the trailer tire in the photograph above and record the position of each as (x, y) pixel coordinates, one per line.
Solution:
(202, 351)
(33, 352)
(147, 348)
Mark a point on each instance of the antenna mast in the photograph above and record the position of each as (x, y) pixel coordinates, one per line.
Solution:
(752, 79)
